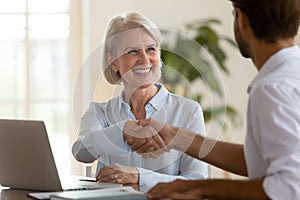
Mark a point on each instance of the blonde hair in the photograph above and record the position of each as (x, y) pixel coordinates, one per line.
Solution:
(119, 24)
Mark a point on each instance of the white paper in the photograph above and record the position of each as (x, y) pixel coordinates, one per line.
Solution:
(47, 195)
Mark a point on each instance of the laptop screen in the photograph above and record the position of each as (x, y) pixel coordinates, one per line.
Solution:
(26, 159)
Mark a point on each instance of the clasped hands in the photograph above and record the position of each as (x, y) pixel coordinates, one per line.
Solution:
(148, 137)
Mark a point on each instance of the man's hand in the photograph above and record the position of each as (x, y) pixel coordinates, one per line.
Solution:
(178, 189)
(165, 131)
(157, 138)
(144, 139)
(210, 189)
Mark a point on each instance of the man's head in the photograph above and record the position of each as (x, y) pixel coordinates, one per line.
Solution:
(271, 20)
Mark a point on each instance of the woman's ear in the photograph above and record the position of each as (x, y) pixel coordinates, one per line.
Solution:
(111, 62)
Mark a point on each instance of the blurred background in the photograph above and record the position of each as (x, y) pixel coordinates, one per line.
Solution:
(45, 43)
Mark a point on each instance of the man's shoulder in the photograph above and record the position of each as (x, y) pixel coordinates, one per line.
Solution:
(281, 92)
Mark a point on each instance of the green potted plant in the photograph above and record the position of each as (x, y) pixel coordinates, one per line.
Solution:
(191, 57)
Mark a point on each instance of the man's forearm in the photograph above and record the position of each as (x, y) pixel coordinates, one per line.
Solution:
(233, 189)
(224, 155)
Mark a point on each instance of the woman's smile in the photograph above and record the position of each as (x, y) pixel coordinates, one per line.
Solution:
(144, 70)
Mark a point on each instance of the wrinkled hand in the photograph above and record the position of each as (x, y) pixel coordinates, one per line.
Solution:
(144, 139)
(118, 173)
(178, 189)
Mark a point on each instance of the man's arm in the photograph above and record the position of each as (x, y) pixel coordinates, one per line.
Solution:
(227, 156)
(224, 155)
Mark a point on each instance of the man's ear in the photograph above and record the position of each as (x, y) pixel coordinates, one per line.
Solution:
(242, 19)
(111, 62)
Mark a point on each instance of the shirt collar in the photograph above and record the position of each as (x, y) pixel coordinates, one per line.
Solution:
(273, 63)
(160, 98)
(157, 101)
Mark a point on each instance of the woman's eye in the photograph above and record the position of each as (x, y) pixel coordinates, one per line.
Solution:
(133, 51)
(151, 49)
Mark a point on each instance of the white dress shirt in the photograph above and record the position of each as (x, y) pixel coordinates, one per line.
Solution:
(272, 146)
(101, 137)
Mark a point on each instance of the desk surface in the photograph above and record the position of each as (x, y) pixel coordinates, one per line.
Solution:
(14, 194)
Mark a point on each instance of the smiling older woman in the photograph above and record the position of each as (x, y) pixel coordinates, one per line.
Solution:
(132, 58)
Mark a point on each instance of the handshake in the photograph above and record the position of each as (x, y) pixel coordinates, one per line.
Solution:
(151, 138)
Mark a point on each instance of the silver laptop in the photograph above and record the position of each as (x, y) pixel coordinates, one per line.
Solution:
(26, 160)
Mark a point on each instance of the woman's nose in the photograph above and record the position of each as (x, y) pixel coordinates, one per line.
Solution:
(144, 57)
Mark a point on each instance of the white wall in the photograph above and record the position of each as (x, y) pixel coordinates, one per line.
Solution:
(174, 14)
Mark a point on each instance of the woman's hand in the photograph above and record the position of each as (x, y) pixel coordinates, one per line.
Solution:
(166, 132)
(157, 138)
(118, 173)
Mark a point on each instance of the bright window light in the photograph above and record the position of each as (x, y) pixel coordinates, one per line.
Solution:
(12, 21)
(35, 68)
(12, 34)
(12, 6)
(53, 21)
(49, 34)
(48, 6)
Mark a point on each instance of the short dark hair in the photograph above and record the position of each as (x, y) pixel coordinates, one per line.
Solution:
(271, 20)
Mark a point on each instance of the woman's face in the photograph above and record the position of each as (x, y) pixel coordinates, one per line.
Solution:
(137, 58)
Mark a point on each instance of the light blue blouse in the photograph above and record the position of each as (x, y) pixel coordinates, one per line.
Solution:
(101, 137)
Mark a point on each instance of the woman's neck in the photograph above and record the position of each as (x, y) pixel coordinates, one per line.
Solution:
(138, 98)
